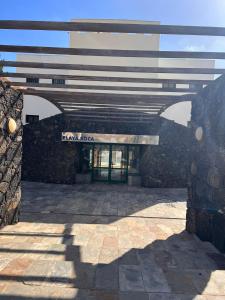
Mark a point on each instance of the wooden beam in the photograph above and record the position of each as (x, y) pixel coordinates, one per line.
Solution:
(111, 117)
(107, 120)
(82, 96)
(112, 27)
(112, 52)
(61, 66)
(103, 78)
(102, 87)
(109, 106)
(110, 113)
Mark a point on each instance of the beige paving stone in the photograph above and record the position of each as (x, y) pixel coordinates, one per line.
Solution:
(108, 255)
(4, 262)
(16, 267)
(110, 241)
(90, 254)
(71, 253)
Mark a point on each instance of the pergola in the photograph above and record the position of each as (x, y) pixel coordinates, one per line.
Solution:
(110, 106)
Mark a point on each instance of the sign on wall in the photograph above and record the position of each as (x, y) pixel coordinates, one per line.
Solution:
(110, 138)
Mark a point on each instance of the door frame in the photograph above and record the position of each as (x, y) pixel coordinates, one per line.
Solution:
(109, 180)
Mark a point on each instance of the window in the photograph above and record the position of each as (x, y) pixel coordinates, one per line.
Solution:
(32, 118)
(195, 86)
(58, 81)
(169, 85)
(32, 80)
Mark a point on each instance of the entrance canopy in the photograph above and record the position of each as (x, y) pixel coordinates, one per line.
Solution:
(106, 100)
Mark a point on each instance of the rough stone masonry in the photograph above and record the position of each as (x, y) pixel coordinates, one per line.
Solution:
(11, 104)
(206, 203)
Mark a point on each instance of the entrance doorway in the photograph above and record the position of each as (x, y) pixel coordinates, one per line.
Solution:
(110, 163)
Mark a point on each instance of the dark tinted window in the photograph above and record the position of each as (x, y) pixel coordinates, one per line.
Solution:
(33, 80)
(58, 81)
(169, 85)
(32, 118)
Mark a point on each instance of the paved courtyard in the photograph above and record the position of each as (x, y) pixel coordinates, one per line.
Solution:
(106, 242)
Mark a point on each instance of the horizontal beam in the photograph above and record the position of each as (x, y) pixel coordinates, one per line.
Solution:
(101, 87)
(103, 78)
(57, 66)
(107, 120)
(112, 110)
(109, 106)
(98, 96)
(114, 53)
(112, 27)
(112, 117)
(110, 113)
(142, 108)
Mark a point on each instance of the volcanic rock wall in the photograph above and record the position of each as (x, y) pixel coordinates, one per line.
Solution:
(11, 104)
(47, 159)
(206, 203)
(166, 165)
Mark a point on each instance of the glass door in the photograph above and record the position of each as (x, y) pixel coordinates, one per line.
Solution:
(110, 163)
(101, 156)
(118, 163)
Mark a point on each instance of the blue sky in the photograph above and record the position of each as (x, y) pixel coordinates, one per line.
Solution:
(178, 12)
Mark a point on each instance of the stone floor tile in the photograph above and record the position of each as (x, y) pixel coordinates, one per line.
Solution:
(153, 277)
(16, 267)
(128, 257)
(3, 263)
(180, 281)
(90, 254)
(208, 297)
(108, 255)
(21, 291)
(133, 231)
(133, 296)
(168, 296)
(130, 278)
(107, 276)
(110, 242)
(105, 295)
(38, 272)
(212, 283)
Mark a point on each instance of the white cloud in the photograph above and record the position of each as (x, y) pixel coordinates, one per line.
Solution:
(193, 48)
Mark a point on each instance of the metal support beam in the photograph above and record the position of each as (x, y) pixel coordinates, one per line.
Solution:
(112, 27)
(61, 66)
(103, 87)
(104, 98)
(103, 78)
(112, 52)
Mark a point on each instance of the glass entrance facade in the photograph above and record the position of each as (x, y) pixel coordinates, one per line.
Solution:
(112, 162)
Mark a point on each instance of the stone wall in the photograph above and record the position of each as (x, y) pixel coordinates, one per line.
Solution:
(206, 203)
(11, 104)
(166, 165)
(47, 159)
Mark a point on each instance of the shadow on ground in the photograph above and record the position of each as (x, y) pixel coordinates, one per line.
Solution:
(132, 257)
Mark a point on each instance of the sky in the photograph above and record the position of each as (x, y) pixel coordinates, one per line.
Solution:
(173, 12)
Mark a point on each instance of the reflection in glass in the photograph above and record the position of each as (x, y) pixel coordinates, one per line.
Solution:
(119, 157)
(101, 156)
(134, 160)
